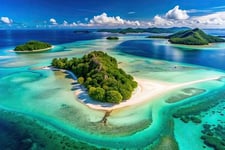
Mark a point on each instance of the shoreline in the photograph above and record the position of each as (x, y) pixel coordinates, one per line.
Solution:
(33, 51)
(146, 91)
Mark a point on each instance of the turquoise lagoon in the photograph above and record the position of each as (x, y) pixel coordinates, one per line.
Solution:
(40, 110)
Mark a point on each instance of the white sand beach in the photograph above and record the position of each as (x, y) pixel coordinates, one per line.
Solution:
(146, 91)
(33, 51)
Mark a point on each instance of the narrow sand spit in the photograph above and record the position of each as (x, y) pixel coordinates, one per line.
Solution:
(146, 91)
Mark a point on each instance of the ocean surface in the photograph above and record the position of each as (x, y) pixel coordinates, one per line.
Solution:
(38, 108)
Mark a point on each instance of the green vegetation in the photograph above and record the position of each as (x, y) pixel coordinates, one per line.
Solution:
(158, 36)
(190, 37)
(100, 74)
(112, 38)
(143, 30)
(193, 37)
(32, 46)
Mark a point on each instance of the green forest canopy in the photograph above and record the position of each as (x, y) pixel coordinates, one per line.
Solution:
(112, 38)
(100, 74)
(193, 37)
(32, 46)
(190, 37)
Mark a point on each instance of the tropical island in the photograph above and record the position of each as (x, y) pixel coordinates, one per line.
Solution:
(100, 75)
(191, 37)
(144, 30)
(112, 38)
(33, 46)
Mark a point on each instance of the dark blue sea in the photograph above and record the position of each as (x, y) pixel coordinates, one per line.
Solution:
(214, 58)
(208, 57)
(10, 38)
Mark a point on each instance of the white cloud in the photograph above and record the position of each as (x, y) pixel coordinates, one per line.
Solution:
(160, 21)
(177, 17)
(6, 20)
(105, 20)
(177, 14)
(211, 20)
(66, 24)
(53, 21)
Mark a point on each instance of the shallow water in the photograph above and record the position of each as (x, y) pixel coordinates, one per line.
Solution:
(48, 98)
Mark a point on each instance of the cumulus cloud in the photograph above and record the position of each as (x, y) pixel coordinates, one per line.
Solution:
(6, 20)
(177, 14)
(174, 17)
(178, 17)
(53, 21)
(160, 21)
(105, 20)
(210, 20)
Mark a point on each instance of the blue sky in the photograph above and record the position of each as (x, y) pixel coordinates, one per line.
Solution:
(111, 13)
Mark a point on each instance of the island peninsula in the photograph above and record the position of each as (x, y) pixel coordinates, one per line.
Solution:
(191, 37)
(100, 75)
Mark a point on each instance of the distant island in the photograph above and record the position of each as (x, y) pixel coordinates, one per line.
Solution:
(191, 37)
(99, 73)
(112, 38)
(144, 30)
(81, 31)
(33, 46)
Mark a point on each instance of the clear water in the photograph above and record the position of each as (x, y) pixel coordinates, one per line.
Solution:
(42, 102)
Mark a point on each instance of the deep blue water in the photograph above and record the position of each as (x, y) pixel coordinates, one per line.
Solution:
(145, 48)
(15, 37)
(214, 58)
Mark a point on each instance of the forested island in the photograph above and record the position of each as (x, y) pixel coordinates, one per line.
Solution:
(144, 30)
(191, 37)
(112, 38)
(33, 46)
(100, 75)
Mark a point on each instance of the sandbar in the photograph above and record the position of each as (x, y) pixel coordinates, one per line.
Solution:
(147, 90)
(34, 51)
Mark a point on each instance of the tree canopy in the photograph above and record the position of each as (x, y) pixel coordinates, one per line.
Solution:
(193, 37)
(100, 74)
(112, 38)
(32, 46)
(190, 37)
